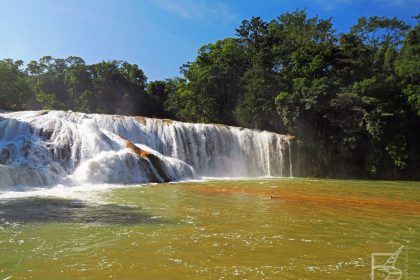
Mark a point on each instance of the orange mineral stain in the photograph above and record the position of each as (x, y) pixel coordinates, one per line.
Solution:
(137, 150)
(290, 196)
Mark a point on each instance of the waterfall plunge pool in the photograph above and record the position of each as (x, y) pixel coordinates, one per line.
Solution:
(221, 229)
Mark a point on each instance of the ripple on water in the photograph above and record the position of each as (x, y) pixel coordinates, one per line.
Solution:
(233, 230)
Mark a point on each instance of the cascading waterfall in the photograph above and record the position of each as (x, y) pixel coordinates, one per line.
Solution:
(290, 160)
(48, 147)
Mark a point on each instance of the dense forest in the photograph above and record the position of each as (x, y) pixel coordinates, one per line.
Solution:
(352, 100)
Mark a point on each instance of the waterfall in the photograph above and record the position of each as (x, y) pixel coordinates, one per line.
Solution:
(290, 159)
(48, 147)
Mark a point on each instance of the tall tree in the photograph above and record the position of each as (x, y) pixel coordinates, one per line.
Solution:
(14, 87)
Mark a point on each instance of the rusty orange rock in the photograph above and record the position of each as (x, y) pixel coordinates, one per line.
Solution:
(290, 137)
(140, 119)
(137, 150)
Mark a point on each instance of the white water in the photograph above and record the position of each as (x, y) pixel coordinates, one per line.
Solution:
(39, 148)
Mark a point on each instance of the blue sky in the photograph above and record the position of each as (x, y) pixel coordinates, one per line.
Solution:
(158, 35)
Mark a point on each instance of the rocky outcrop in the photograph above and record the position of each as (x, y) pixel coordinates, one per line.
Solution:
(153, 159)
(4, 156)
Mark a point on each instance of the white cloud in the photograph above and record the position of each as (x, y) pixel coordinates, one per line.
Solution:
(198, 9)
(398, 2)
(175, 8)
(330, 5)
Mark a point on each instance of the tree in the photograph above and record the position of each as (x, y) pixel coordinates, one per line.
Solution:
(380, 31)
(212, 83)
(408, 67)
(14, 88)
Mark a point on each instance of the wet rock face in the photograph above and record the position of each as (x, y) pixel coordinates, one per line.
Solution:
(153, 159)
(45, 133)
(137, 150)
(4, 156)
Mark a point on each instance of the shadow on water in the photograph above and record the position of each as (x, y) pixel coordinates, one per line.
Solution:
(50, 210)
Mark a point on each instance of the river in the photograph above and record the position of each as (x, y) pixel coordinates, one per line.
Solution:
(210, 229)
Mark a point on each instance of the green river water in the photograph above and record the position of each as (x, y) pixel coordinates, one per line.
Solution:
(221, 229)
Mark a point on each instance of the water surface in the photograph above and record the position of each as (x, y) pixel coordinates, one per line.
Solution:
(242, 229)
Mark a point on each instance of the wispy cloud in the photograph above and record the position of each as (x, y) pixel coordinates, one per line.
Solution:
(198, 9)
(398, 2)
(331, 5)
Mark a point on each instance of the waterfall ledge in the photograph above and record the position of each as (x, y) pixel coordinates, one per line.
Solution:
(48, 147)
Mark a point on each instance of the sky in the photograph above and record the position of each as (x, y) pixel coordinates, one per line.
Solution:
(158, 35)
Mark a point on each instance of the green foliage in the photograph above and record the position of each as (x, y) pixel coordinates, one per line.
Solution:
(49, 101)
(212, 84)
(112, 87)
(383, 31)
(256, 109)
(14, 88)
(408, 68)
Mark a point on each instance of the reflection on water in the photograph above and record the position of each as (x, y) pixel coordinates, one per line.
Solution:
(43, 210)
(248, 229)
